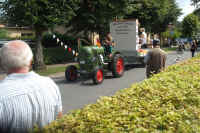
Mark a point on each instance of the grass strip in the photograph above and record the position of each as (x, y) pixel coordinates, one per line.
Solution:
(52, 70)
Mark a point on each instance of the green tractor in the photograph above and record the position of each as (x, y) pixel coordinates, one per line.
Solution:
(94, 63)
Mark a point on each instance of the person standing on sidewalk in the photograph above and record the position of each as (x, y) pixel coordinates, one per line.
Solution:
(26, 98)
(193, 47)
(155, 59)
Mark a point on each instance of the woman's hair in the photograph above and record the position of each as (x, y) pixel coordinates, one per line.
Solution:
(15, 54)
(108, 36)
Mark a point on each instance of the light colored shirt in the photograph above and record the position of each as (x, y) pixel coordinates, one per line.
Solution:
(144, 38)
(27, 100)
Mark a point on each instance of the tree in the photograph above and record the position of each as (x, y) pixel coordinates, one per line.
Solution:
(155, 15)
(40, 15)
(172, 34)
(190, 25)
(197, 13)
(196, 2)
(95, 15)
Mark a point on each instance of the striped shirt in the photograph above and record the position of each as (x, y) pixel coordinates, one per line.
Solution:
(27, 100)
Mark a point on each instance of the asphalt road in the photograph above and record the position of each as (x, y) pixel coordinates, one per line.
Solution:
(77, 95)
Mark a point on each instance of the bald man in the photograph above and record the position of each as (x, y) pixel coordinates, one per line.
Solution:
(26, 98)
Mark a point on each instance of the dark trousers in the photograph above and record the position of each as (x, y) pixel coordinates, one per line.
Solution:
(193, 52)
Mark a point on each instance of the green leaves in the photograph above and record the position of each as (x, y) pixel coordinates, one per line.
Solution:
(95, 16)
(196, 2)
(39, 13)
(3, 34)
(154, 15)
(190, 25)
(168, 102)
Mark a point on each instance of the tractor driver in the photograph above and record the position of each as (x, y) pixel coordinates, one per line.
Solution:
(108, 44)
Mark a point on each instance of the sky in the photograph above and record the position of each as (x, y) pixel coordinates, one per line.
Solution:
(186, 7)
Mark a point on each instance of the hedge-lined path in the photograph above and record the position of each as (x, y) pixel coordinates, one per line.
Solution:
(76, 95)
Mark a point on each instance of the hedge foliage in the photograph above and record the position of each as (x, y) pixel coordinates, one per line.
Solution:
(56, 55)
(49, 41)
(169, 102)
(3, 33)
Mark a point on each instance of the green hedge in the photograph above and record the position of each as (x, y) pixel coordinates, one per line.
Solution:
(3, 33)
(49, 41)
(56, 55)
(169, 102)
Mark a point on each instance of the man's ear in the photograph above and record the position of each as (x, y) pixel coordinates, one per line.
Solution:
(30, 65)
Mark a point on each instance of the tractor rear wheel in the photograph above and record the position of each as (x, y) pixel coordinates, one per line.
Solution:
(117, 66)
(98, 76)
(71, 73)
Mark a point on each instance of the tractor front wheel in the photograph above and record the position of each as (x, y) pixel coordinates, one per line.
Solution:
(118, 66)
(71, 73)
(98, 76)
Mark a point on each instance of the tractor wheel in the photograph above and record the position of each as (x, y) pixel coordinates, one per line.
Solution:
(71, 73)
(118, 66)
(98, 76)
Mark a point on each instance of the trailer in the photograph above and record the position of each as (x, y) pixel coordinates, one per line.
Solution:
(126, 37)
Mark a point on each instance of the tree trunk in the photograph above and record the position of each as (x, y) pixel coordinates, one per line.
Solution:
(38, 53)
(161, 39)
(88, 35)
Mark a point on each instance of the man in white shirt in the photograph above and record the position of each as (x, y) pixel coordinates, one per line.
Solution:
(26, 98)
(143, 38)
